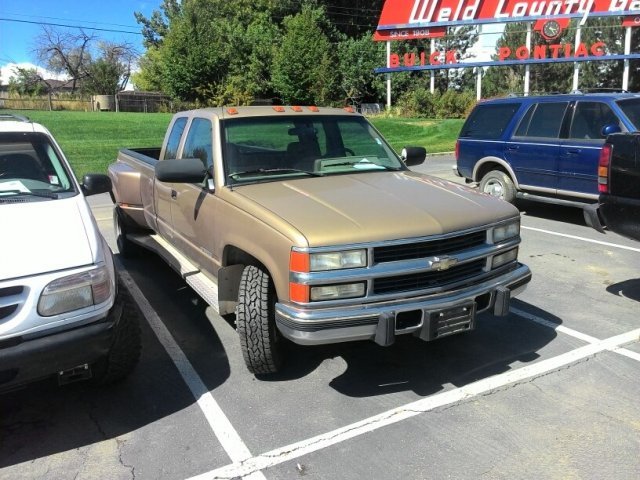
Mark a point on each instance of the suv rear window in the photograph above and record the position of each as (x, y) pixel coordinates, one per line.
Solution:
(489, 121)
(631, 109)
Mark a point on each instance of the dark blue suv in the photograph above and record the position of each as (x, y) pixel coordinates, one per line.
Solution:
(543, 148)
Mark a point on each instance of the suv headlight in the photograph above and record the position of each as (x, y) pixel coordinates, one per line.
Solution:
(506, 231)
(75, 292)
(319, 262)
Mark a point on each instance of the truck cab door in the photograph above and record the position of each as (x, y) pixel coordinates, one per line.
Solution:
(193, 208)
(164, 192)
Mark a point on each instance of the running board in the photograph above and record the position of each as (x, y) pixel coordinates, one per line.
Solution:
(552, 200)
(203, 285)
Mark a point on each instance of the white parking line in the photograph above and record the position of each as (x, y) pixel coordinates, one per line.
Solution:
(220, 424)
(589, 240)
(298, 449)
(573, 333)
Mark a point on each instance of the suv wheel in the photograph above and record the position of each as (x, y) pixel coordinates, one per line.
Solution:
(126, 341)
(498, 184)
(260, 339)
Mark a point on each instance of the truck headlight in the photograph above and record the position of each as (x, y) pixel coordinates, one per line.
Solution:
(319, 262)
(75, 292)
(336, 292)
(506, 231)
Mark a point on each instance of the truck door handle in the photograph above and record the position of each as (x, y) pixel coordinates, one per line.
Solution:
(174, 194)
(512, 148)
(573, 152)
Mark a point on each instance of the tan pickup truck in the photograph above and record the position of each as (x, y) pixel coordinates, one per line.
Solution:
(306, 224)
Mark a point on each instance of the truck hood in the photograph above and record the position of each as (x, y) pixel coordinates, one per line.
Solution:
(370, 207)
(45, 236)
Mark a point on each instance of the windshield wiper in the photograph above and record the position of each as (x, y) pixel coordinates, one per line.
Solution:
(30, 194)
(363, 166)
(273, 170)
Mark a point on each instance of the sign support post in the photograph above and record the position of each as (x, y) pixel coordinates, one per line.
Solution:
(527, 71)
(627, 51)
(388, 76)
(432, 85)
(576, 65)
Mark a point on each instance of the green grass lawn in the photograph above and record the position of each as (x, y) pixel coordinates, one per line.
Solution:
(91, 140)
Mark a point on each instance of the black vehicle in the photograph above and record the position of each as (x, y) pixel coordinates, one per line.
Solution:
(618, 209)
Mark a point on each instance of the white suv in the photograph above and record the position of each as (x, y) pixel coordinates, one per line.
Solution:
(62, 310)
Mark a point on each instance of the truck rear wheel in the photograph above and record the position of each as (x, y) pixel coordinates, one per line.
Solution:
(126, 342)
(126, 247)
(260, 339)
(498, 184)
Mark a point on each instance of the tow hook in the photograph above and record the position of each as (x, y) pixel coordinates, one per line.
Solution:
(75, 374)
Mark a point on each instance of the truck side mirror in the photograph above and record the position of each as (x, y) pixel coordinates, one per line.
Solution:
(95, 183)
(183, 170)
(413, 155)
(610, 128)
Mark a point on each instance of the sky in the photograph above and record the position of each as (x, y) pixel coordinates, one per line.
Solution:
(19, 27)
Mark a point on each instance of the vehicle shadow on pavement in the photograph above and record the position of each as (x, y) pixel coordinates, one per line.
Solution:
(497, 345)
(44, 419)
(628, 289)
(559, 213)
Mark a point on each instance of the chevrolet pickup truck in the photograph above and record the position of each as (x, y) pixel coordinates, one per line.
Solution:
(305, 224)
(618, 208)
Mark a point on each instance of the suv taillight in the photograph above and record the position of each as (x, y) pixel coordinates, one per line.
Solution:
(457, 149)
(603, 168)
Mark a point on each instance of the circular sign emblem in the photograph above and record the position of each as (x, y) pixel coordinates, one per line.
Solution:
(551, 30)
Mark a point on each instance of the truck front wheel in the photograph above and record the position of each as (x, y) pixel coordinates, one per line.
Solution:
(498, 184)
(255, 321)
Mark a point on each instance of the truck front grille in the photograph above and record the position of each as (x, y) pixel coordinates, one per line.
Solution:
(426, 280)
(10, 300)
(445, 246)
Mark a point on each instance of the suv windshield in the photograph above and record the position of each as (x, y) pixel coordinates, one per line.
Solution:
(631, 109)
(30, 166)
(269, 148)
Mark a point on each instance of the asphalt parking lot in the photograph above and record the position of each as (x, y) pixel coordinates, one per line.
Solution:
(549, 392)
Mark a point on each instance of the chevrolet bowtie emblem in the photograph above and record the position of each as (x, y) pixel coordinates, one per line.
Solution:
(443, 263)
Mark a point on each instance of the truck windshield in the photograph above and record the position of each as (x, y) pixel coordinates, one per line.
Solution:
(31, 167)
(631, 109)
(260, 149)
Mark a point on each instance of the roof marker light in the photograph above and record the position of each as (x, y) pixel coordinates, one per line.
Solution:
(279, 109)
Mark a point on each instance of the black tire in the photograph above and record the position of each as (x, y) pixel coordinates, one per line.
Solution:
(260, 339)
(126, 247)
(126, 342)
(498, 184)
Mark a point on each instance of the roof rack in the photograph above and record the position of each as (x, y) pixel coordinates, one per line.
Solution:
(13, 116)
(599, 90)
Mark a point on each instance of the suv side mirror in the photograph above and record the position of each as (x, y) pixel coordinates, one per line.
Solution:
(95, 183)
(413, 155)
(610, 128)
(183, 170)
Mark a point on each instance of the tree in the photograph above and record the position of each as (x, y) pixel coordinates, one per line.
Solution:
(358, 57)
(304, 66)
(27, 81)
(110, 73)
(102, 70)
(65, 52)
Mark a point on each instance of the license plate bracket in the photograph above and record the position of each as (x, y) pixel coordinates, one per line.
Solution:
(449, 321)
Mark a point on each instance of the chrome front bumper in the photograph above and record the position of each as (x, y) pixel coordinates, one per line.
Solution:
(428, 317)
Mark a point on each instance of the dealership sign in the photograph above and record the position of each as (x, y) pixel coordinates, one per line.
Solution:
(412, 14)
